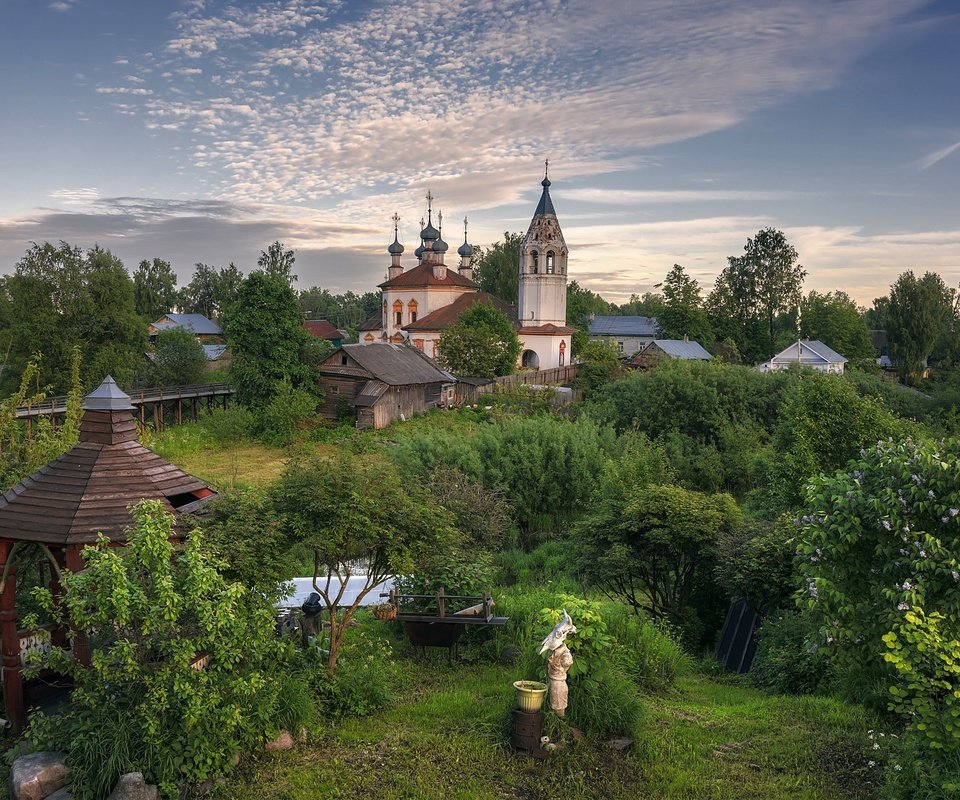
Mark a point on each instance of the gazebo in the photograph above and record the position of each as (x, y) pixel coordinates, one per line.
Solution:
(62, 507)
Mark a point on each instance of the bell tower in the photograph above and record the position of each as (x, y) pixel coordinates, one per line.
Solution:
(543, 266)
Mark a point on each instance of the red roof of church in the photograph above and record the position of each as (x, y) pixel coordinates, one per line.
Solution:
(444, 317)
(422, 275)
(546, 330)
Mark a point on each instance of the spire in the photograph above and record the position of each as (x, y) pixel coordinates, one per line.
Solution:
(440, 246)
(465, 251)
(429, 233)
(545, 206)
(395, 249)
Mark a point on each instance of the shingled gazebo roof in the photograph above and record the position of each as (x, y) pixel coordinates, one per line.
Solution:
(91, 488)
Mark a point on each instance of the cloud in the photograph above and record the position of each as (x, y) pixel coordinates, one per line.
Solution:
(936, 157)
(85, 195)
(644, 196)
(301, 100)
(62, 5)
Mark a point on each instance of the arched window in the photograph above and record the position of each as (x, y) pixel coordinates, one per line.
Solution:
(412, 308)
(398, 313)
(385, 317)
(550, 264)
(563, 352)
(536, 262)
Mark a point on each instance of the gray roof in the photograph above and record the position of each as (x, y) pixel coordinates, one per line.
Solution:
(545, 206)
(816, 348)
(678, 348)
(623, 326)
(393, 364)
(197, 323)
(107, 397)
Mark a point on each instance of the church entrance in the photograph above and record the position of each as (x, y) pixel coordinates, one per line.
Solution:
(530, 360)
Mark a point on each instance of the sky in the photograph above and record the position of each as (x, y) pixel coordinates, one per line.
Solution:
(201, 131)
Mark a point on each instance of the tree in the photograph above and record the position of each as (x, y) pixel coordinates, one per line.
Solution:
(649, 304)
(63, 298)
(178, 359)
(497, 269)
(683, 313)
(756, 290)
(919, 313)
(277, 261)
(200, 295)
(482, 343)
(351, 511)
(654, 545)
(154, 289)
(267, 337)
(226, 285)
(156, 609)
(599, 363)
(835, 319)
(582, 305)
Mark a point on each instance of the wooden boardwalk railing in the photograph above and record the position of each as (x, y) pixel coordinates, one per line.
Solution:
(141, 399)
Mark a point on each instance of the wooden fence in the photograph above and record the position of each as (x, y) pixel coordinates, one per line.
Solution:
(468, 393)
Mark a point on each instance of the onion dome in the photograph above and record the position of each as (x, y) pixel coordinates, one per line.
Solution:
(440, 246)
(396, 248)
(419, 252)
(429, 233)
(465, 250)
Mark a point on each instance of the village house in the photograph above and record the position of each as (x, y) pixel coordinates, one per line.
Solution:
(629, 334)
(209, 334)
(657, 350)
(382, 382)
(806, 353)
(421, 302)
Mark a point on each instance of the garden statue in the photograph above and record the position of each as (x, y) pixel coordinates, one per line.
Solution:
(559, 662)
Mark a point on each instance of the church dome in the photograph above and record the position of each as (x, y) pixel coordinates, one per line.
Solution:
(440, 246)
(430, 234)
(465, 250)
(419, 252)
(396, 248)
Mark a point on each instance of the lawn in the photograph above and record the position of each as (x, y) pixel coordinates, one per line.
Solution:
(445, 738)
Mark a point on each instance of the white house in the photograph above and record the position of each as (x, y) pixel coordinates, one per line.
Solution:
(806, 353)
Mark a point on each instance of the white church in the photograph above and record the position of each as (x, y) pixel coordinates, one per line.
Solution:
(421, 302)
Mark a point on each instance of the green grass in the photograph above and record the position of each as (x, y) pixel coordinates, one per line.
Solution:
(446, 738)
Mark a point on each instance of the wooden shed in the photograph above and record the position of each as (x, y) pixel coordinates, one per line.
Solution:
(382, 382)
(62, 507)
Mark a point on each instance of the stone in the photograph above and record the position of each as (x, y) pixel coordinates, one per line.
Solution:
(61, 794)
(283, 742)
(620, 743)
(132, 786)
(34, 776)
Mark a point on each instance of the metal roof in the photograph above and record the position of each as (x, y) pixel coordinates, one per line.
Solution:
(623, 326)
(197, 323)
(679, 348)
(808, 352)
(545, 206)
(213, 351)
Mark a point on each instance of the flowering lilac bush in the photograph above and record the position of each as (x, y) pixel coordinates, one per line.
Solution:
(879, 554)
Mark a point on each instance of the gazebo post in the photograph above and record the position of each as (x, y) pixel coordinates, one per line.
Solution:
(81, 645)
(58, 636)
(12, 677)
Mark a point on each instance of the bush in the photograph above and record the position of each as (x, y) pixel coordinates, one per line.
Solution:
(288, 411)
(879, 555)
(458, 572)
(552, 562)
(788, 660)
(230, 426)
(152, 612)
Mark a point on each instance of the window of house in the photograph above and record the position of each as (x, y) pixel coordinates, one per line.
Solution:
(620, 346)
(398, 313)
(551, 268)
(412, 307)
(536, 262)
(343, 359)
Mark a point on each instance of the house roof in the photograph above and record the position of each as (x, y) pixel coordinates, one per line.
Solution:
(197, 323)
(92, 487)
(679, 348)
(623, 326)
(392, 364)
(422, 275)
(444, 317)
(808, 352)
(322, 329)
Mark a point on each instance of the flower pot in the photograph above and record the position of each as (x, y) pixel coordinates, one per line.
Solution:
(530, 695)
